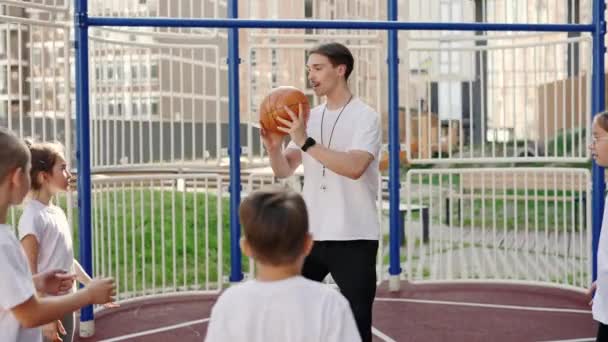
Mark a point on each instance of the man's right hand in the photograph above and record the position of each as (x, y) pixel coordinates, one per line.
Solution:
(591, 293)
(272, 141)
(101, 291)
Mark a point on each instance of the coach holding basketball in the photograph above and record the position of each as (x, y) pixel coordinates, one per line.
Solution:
(339, 149)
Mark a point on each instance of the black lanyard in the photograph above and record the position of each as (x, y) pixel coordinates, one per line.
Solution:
(334, 126)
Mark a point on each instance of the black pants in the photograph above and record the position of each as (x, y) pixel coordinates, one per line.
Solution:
(602, 333)
(352, 265)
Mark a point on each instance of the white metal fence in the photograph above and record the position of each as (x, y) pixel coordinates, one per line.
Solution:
(159, 101)
(517, 224)
(160, 234)
(158, 104)
(502, 101)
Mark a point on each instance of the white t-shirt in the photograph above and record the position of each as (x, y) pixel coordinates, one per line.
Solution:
(16, 287)
(49, 225)
(346, 209)
(291, 310)
(600, 300)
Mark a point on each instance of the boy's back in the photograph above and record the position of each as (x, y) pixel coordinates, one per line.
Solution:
(291, 310)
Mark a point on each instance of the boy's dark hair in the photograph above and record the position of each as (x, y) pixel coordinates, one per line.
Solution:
(44, 157)
(337, 54)
(275, 223)
(13, 154)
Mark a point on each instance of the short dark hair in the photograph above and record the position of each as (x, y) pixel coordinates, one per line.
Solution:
(13, 154)
(337, 54)
(275, 224)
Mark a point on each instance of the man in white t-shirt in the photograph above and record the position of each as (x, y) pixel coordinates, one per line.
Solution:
(338, 147)
(280, 304)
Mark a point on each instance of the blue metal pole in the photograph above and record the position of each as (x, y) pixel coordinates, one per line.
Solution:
(83, 142)
(393, 148)
(598, 106)
(234, 149)
(335, 24)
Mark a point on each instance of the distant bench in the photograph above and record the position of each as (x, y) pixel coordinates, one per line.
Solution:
(403, 209)
(479, 186)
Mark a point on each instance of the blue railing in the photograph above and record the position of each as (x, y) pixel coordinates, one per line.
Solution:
(83, 22)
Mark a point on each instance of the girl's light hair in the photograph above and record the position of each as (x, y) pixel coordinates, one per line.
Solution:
(602, 120)
(44, 157)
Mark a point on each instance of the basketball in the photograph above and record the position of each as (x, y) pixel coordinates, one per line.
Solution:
(273, 106)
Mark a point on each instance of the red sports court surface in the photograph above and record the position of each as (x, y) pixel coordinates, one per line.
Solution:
(424, 312)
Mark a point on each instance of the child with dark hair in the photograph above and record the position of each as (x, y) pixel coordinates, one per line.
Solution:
(20, 307)
(280, 304)
(44, 231)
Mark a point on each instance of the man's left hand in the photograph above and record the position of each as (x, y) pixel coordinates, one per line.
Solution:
(296, 128)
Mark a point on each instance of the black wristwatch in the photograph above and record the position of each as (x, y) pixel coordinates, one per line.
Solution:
(308, 143)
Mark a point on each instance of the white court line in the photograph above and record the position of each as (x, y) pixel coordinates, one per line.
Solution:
(575, 340)
(375, 331)
(384, 337)
(154, 331)
(482, 305)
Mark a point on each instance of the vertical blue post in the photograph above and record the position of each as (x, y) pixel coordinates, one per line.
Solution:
(598, 98)
(234, 148)
(393, 147)
(83, 150)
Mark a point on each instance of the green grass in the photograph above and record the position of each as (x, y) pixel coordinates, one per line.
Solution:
(166, 238)
(532, 207)
(515, 214)
(123, 220)
(169, 240)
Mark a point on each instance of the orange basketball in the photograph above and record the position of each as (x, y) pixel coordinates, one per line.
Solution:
(273, 106)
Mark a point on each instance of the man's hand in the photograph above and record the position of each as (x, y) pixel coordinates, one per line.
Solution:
(296, 128)
(591, 293)
(54, 282)
(272, 141)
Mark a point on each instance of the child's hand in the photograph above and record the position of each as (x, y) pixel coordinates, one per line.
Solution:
(54, 282)
(591, 292)
(111, 305)
(101, 291)
(52, 330)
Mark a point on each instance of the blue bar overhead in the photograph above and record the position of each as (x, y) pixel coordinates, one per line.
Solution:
(393, 145)
(233, 24)
(334, 24)
(234, 148)
(597, 106)
(83, 143)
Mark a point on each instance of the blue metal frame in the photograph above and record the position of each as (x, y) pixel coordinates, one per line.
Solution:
(234, 150)
(393, 145)
(83, 149)
(335, 24)
(597, 106)
(82, 22)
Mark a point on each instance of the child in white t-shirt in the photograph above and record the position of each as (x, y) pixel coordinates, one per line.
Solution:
(20, 307)
(280, 304)
(44, 230)
(599, 152)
